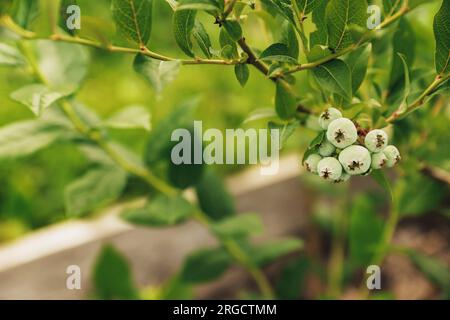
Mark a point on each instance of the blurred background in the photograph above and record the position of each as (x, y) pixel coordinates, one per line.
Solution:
(32, 198)
(32, 189)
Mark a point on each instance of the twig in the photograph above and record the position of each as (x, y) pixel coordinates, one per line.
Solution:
(228, 9)
(8, 23)
(437, 173)
(401, 112)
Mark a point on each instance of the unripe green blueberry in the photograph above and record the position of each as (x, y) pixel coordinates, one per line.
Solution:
(342, 133)
(329, 169)
(379, 160)
(326, 149)
(392, 155)
(343, 178)
(311, 162)
(355, 160)
(328, 116)
(376, 140)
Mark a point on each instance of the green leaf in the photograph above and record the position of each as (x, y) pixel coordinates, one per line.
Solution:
(292, 279)
(320, 36)
(202, 38)
(277, 52)
(340, 15)
(233, 28)
(281, 7)
(112, 276)
(357, 62)
(62, 64)
(87, 115)
(24, 12)
(5, 6)
(289, 38)
(238, 226)
(130, 118)
(98, 187)
(38, 97)
(366, 230)
(213, 197)
(307, 6)
(416, 201)
(317, 53)
(317, 141)
(242, 73)
(442, 36)
(228, 45)
(183, 23)
(335, 77)
(415, 3)
(96, 155)
(10, 56)
(187, 173)
(205, 265)
(161, 211)
(285, 102)
(207, 5)
(407, 87)
(175, 289)
(134, 19)
(159, 142)
(391, 7)
(286, 130)
(265, 253)
(404, 42)
(158, 73)
(259, 114)
(314, 145)
(26, 137)
(172, 3)
(435, 270)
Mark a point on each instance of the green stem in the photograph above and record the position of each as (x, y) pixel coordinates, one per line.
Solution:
(241, 257)
(312, 65)
(386, 239)
(8, 23)
(337, 256)
(229, 9)
(400, 113)
(28, 54)
(299, 26)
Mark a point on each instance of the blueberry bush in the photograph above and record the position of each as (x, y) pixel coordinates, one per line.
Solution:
(361, 83)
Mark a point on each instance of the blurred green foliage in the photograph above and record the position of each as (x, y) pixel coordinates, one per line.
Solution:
(32, 191)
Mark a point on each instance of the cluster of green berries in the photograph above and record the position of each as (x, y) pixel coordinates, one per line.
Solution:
(341, 154)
